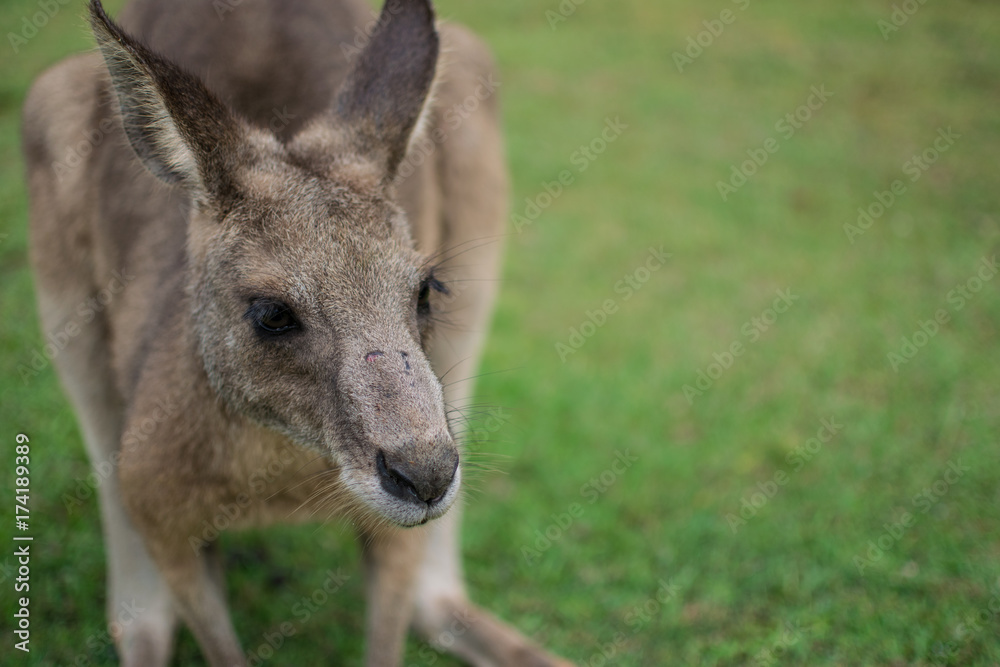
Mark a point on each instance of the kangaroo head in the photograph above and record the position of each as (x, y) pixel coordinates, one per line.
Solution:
(308, 302)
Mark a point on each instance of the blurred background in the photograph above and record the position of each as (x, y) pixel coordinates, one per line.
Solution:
(743, 377)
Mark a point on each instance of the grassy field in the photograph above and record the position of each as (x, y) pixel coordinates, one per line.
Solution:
(779, 445)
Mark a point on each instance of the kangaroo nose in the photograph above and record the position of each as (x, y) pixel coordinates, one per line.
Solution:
(423, 482)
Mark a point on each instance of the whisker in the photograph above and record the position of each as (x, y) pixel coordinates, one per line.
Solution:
(304, 480)
(453, 367)
(438, 258)
(482, 375)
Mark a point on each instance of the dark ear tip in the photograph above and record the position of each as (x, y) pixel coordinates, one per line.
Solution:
(100, 22)
(424, 8)
(97, 13)
(108, 32)
(426, 5)
(423, 12)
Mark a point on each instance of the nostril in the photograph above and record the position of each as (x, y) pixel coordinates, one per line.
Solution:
(454, 468)
(394, 481)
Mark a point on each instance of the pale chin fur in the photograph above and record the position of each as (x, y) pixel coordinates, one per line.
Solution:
(398, 512)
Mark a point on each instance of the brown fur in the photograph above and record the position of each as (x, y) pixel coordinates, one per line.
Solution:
(234, 218)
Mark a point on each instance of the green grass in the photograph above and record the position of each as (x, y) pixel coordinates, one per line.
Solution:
(787, 580)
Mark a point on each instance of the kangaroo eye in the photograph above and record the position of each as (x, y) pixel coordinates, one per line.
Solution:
(424, 299)
(424, 295)
(271, 317)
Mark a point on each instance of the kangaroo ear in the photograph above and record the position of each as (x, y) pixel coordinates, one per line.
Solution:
(384, 93)
(179, 130)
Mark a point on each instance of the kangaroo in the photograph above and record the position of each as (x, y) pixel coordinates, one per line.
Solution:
(284, 255)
